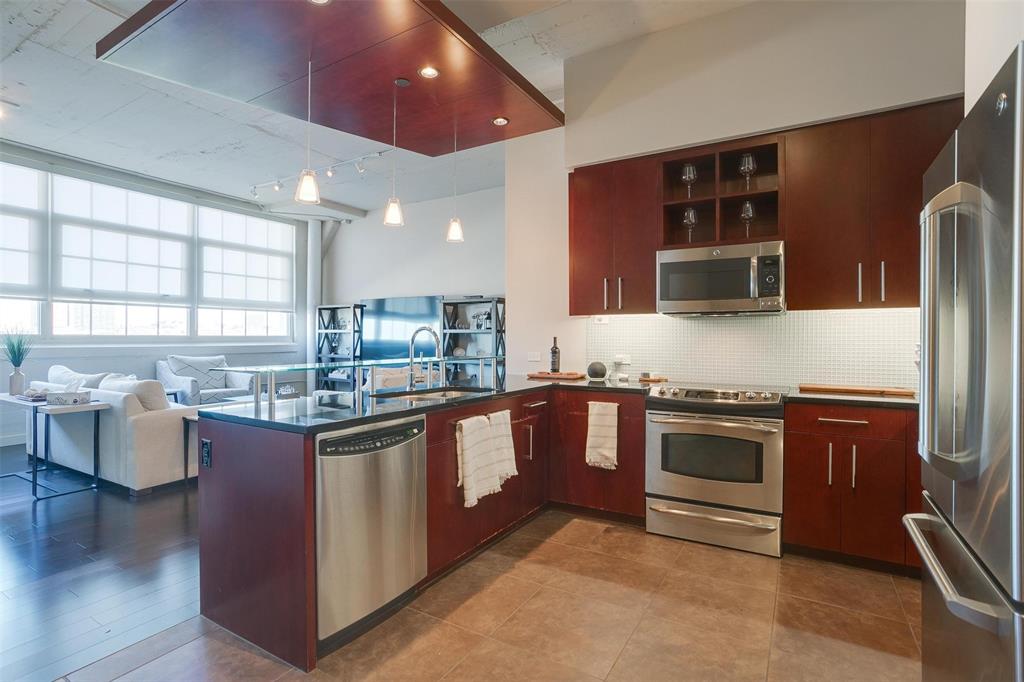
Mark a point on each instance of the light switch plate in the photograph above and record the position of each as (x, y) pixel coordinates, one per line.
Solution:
(533, 356)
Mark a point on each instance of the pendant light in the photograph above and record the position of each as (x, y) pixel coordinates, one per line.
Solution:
(307, 191)
(393, 211)
(455, 233)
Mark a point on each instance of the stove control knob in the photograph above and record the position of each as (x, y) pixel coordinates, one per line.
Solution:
(751, 395)
(674, 391)
(766, 395)
(661, 390)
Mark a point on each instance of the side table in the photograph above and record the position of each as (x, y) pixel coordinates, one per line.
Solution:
(49, 411)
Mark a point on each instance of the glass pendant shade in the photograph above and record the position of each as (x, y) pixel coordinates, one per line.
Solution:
(393, 213)
(455, 231)
(307, 191)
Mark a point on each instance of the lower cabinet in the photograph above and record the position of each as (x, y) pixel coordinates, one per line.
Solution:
(571, 479)
(845, 492)
(453, 529)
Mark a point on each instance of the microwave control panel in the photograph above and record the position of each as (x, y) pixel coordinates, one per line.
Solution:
(769, 276)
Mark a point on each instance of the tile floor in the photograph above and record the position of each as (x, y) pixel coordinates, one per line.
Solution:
(573, 598)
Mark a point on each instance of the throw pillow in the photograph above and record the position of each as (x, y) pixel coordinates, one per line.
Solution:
(199, 368)
(59, 374)
(150, 392)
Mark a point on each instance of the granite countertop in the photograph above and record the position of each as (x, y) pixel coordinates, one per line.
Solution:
(314, 415)
(795, 395)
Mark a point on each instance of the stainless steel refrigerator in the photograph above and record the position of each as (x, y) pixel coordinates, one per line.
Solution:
(971, 534)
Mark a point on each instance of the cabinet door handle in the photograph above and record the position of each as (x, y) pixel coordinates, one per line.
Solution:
(883, 281)
(860, 282)
(853, 478)
(539, 403)
(529, 454)
(620, 293)
(856, 422)
(605, 293)
(830, 465)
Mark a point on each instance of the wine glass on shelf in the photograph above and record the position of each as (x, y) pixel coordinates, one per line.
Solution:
(748, 166)
(747, 214)
(690, 221)
(689, 176)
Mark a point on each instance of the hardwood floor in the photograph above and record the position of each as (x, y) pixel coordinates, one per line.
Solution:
(83, 576)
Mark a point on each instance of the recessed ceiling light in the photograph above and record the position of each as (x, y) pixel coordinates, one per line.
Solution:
(500, 121)
(429, 72)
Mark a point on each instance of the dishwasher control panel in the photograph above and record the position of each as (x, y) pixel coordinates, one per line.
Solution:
(370, 441)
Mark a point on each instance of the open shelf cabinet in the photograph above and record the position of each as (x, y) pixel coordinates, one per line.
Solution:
(474, 326)
(339, 336)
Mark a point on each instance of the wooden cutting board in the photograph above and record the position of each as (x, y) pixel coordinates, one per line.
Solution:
(556, 376)
(653, 380)
(880, 392)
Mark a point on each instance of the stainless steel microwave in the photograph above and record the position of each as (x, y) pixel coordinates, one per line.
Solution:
(737, 279)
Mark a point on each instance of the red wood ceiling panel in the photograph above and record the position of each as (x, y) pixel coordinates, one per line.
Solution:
(257, 52)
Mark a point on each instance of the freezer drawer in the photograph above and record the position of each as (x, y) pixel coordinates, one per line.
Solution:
(969, 630)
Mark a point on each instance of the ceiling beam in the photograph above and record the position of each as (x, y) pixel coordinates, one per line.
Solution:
(333, 207)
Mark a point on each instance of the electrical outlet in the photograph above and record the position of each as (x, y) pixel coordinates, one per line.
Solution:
(533, 356)
(600, 319)
(206, 453)
(623, 359)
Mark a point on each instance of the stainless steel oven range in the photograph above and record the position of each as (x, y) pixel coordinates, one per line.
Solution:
(714, 466)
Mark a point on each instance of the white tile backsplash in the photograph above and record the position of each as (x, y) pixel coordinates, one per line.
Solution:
(859, 347)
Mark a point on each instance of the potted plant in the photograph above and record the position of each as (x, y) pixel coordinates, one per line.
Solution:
(16, 348)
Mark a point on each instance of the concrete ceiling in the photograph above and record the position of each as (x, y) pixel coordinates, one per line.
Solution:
(72, 104)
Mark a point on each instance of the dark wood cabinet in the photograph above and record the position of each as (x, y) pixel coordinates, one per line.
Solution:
(811, 496)
(572, 480)
(827, 241)
(845, 481)
(873, 486)
(914, 487)
(533, 468)
(903, 145)
(590, 239)
(613, 237)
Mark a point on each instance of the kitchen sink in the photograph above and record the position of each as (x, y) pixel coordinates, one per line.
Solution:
(439, 393)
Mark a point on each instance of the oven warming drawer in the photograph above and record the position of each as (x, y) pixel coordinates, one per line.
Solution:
(761, 533)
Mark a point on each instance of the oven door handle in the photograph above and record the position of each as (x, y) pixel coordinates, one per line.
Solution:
(709, 422)
(760, 525)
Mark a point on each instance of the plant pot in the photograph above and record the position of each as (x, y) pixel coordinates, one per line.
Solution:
(16, 385)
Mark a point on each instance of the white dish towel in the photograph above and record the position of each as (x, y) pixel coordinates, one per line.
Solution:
(504, 448)
(602, 435)
(477, 466)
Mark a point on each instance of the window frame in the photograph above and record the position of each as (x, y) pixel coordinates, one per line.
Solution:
(52, 290)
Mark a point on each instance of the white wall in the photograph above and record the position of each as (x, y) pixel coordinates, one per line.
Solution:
(993, 28)
(369, 260)
(537, 249)
(837, 347)
(764, 66)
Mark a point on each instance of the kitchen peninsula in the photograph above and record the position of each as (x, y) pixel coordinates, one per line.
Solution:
(259, 502)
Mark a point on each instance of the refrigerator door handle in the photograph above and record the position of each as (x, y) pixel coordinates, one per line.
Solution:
(976, 613)
(957, 466)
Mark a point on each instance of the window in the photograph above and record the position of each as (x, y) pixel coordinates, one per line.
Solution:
(81, 258)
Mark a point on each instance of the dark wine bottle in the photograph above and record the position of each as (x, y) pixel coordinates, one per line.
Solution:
(556, 356)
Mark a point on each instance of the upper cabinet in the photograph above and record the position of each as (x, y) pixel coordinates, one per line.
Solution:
(855, 193)
(613, 237)
(844, 196)
(722, 195)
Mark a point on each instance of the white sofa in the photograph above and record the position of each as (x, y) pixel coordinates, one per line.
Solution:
(193, 382)
(139, 448)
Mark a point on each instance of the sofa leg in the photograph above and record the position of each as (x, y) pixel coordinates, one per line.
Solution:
(140, 493)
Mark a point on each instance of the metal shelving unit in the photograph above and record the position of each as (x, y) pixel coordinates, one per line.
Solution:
(339, 336)
(485, 336)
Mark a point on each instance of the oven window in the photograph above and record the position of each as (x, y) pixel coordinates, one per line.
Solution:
(713, 458)
(706, 280)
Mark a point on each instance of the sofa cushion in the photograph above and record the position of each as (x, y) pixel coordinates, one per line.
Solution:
(150, 392)
(199, 368)
(59, 374)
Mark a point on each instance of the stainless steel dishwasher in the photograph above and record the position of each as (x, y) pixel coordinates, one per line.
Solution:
(371, 521)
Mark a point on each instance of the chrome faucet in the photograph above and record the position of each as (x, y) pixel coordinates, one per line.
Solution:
(438, 352)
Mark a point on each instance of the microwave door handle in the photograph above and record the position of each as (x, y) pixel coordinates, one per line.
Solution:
(956, 466)
(711, 422)
(754, 293)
